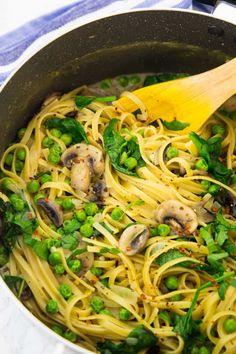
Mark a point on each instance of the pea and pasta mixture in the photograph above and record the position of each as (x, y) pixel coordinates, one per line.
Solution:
(118, 232)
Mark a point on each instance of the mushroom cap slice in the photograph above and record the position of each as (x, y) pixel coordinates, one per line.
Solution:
(180, 217)
(89, 152)
(133, 239)
(53, 211)
(80, 175)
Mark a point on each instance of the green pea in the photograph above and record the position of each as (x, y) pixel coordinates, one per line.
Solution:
(123, 81)
(45, 178)
(96, 271)
(17, 203)
(75, 265)
(195, 350)
(58, 329)
(71, 336)
(67, 203)
(47, 142)
(59, 269)
(130, 163)
(205, 184)
(201, 165)
(67, 139)
(91, 209)
(163, 230)
(39, 196)
(65, 291)
(230, 325)
(105, 84)
(80, 215)
(55, 132)
(9, 159)
(177, 297)
(218, 129)
(21, 154)
(97, 304)
(54, 158)
(33, 186)
(54, 258)
(6, 183)
(172, 152)
(21, 133)
(117, 214)
(52, 306)
(89, 220)
(172, 282)
(214, 189)
(124, 314)
(134, 79)
(19, 165)
(204, 350)
(71, 225)
(86, 230)
(123, 157)
(53, 242)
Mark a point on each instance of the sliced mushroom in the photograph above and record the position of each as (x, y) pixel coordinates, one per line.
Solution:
(181, 218)
(98, 192)
(134, 239)
(90, 152)
(53, 211)
(80, 175)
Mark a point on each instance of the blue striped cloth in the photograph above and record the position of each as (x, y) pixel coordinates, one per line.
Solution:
(18, 45)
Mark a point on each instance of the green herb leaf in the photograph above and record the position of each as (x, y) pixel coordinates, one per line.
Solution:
(210, 150)
(68, 126)
(83, 101)
(41, 249)
(70, 241)
(185, 326)
(135, 203)
(115, 145)
(222, 290)
(233, 283)
(175, 124)
(4, 257)
(138, 339)
(170, 256)
(109, 250)
(15, 224)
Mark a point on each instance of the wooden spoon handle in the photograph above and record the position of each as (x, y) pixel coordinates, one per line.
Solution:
(193, 99)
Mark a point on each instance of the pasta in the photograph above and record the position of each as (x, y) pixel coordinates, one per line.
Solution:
(114, 224)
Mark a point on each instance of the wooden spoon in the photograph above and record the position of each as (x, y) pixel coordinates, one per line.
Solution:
(193, 99)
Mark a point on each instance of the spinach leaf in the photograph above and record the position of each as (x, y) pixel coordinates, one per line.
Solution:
(70, 241)
(222, 290)
(68, 126)
(175, 124)
(210, 150)
(41, 249)
(185, 326)
(115, 145)
(171, 255)
(138, 339)
(16, 284)
(109, 250)
(83, 101)
(15, 223)
(4, 258)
